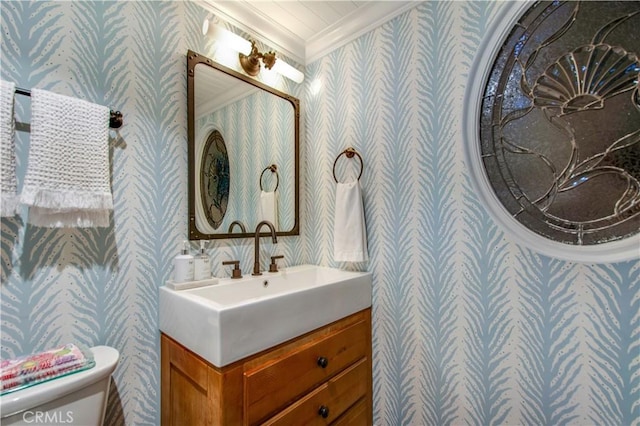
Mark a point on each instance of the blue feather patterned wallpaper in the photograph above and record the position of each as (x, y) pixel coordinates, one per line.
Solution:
(469, 327)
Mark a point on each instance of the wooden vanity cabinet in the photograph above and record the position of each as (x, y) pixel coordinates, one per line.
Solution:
(320, 378)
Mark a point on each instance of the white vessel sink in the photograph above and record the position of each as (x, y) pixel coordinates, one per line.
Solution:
(239, 317)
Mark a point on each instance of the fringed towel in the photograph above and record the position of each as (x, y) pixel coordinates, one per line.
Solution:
(269, 207)
(9, 200)
(28, 370)
(349, 231)
(67, 182)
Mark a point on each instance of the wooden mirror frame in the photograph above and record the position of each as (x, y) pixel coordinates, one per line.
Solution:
(194, 59)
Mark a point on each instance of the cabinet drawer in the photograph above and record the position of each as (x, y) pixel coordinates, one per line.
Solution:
(272, 386)
(356, 416)
(328, 402)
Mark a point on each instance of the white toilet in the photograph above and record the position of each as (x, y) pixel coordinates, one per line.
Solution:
(76, 399)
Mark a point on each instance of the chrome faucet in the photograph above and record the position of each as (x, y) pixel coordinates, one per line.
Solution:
(274, 240)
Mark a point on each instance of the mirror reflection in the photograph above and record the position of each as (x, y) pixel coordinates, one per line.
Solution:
(243, 153)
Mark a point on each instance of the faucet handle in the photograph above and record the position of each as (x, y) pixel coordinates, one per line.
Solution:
(273, 267)
(236, 272)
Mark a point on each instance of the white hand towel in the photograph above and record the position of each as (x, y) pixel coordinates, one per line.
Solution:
(349, 229)
(269, 207)
(67, 182)
(9, 200)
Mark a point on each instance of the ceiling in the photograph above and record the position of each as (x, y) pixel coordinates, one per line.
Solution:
(306, 30)
(303, 18)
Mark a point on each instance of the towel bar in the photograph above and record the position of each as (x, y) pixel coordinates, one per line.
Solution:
(115, 121)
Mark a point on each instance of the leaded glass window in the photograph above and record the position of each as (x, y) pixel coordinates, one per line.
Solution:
(560, 121)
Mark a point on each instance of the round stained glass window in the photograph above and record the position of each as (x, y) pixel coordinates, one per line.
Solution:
(560, 121)
(552, 127)
(215, 179)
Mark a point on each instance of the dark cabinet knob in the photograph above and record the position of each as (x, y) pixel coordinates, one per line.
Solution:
(323, 411)
(323, 362)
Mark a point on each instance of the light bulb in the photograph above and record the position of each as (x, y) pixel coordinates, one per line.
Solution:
(288, 71)
(226, 37)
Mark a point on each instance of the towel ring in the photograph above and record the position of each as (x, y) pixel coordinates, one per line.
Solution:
(349, 153)
(274, 169)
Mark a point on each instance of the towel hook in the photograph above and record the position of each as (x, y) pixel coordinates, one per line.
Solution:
(274, 169)
(349, 153)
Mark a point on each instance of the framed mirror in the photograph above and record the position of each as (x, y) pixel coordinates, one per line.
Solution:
(243, 151)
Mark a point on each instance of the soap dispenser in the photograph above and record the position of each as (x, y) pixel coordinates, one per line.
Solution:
(183, 265)
(201, 265)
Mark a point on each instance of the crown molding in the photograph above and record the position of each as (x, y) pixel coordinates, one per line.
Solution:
(350, 27)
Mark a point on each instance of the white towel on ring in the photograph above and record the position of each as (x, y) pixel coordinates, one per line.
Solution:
(269, 207)
(9, 200)
(68, 176)
(349, 228)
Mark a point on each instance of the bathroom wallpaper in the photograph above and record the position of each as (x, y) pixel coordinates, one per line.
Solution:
(100, 286)
(469, 326)
(274, 118)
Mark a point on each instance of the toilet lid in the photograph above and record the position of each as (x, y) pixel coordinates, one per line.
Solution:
(106, 359)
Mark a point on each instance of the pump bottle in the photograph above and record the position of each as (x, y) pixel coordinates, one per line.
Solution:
(202, 265)
(183, 265)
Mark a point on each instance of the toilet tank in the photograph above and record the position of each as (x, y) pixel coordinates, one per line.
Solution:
(76, 399)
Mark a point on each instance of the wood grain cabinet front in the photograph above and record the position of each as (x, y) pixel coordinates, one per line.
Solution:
(320, 378)
(328, 402)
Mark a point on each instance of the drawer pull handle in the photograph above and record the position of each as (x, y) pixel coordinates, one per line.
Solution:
(323, 362)
(323, 411)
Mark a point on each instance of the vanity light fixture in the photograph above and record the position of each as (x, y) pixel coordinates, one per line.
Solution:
(251, 62)
(281, 67)
(211, 28)
(249, 55)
